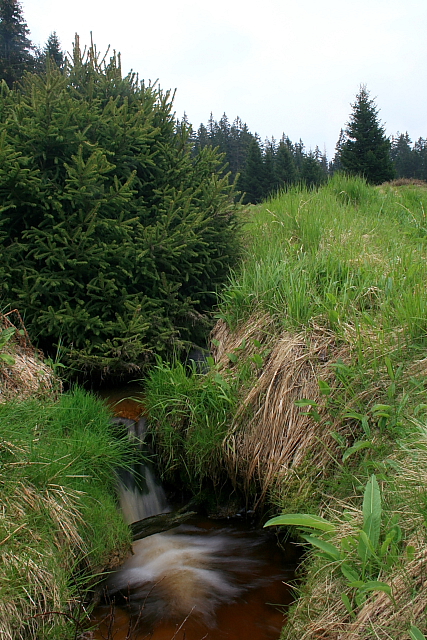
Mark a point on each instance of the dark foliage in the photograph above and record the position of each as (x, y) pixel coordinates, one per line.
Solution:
(16, 50)
(114, 236)
(53, 51)
(366, 149)
(410, 160)
(261, 169)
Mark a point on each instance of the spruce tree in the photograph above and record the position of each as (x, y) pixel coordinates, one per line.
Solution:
(270, 181)
(312, 171)
(53, 51)
(366, 150)
(336, 164)
(114, 236)
(286, 173)
(403, 156)
(15, 46)
(420, 149)
(253, 181)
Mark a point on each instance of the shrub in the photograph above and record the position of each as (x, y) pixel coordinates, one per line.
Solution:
(113, 236)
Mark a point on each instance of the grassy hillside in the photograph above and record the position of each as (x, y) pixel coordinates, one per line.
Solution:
(320, 371)
(59, 522)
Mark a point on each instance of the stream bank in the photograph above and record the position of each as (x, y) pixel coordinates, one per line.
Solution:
(209, 577)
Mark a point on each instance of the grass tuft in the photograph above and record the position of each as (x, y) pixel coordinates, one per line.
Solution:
(59, 522)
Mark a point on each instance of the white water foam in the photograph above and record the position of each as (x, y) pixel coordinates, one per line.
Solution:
(185, 571)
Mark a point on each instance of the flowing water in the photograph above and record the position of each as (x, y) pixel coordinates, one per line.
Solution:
(219, 580)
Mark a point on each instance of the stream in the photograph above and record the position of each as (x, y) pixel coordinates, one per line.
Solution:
(214, 579)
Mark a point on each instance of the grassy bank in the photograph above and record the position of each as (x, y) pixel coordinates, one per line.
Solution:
(59, 523)
(320, 350)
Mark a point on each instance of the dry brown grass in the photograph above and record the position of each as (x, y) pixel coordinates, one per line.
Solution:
(271, 437)
(403, 182)
(29, 563)
(29, 376)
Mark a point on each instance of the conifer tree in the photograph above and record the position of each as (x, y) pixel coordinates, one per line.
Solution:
(420, 149)
(312, 172)
(15, 46)
(404, 156)
(53, 51)
(336, 164)
(114, 235)
(270, 181)
(286, 173)
(366, 150)
(252, 181)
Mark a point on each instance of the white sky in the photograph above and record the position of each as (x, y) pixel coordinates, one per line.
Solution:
(281, 66)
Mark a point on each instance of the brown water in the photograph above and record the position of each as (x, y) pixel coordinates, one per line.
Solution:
(207, 579)
(203, 580)
(126, 402)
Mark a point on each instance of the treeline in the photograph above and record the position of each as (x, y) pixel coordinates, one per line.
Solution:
(18, 54)
(261, 168)
(264, 168)
(409, 158)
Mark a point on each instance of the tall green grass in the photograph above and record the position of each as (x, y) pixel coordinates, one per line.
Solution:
(60, 522)
(347, 253)
(352, 259)
(190, 414)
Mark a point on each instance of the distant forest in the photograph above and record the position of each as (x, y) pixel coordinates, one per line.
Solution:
(262, 168)
(259, 168)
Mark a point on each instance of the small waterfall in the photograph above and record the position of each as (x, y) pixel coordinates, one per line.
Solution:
(140, 494)
(196, 580)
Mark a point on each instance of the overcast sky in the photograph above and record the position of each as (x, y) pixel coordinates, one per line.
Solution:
(280, 65)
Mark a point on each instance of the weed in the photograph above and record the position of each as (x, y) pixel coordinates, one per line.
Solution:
(363, 555)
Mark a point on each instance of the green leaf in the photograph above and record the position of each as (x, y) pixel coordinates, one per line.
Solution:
(6, 335)
(357, 584)
(210, 362)
(330, 549)
(387, 542)
(372, 528)
(232, 357)
(374, 585)
(358, 446)
(324, 388)
(389, 366)
(8, 359)
(347, 604)
(305, 403)
(257, 359)
(372, 511)
(410, 552)
(382, 410)
(365, 548)
(416, 634)
(304, 520)
(354, 415)
(349, 573)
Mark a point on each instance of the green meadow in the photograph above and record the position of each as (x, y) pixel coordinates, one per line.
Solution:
(319, 374)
